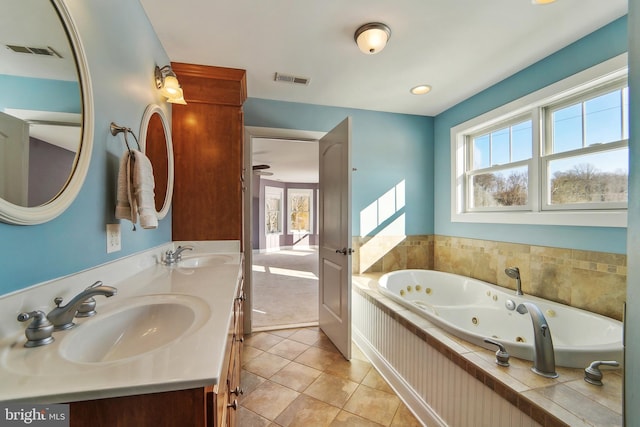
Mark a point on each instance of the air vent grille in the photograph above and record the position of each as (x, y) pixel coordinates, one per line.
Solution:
(44, 51)
(287, 78)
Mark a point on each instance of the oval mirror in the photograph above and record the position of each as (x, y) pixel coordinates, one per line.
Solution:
(156, 143)
(46, 117)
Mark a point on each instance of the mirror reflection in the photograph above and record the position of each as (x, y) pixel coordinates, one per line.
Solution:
(40, 103)
(157, 145)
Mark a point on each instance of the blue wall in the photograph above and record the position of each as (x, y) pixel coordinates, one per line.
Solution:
(387, 149)
(122, 50)
(39, 94)
(597, 47)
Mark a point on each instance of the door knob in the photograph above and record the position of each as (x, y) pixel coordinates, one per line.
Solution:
(344, 251)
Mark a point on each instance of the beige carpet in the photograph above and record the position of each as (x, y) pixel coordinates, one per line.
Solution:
(285, 288)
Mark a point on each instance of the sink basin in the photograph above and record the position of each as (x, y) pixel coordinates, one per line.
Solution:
(140, 326)
(204, 261)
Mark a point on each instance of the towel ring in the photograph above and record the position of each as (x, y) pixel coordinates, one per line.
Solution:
(115, 129)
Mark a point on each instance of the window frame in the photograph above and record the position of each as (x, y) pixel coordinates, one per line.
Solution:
(469, 174)
(307, 192)
(547, 156)
(599, 75)
(279, 193)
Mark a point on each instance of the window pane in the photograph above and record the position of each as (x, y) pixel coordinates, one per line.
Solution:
(500, 147)
(567, 128)
(299, 205)
(272, 213)
(503, 188)
(603, 119)
(591, 178)
(481, 157)
(272, 222)
(521, 141)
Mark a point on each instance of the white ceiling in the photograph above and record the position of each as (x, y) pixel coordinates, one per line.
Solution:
(459, 47)
(288, 160)
(34, 23)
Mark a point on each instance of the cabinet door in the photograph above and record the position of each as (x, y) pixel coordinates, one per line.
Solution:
(207, 201)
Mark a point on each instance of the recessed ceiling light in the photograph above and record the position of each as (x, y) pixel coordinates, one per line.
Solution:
(542, 1)
(421, 90)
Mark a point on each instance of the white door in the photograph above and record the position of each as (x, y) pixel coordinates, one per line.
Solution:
(335, 236)
(14, 160)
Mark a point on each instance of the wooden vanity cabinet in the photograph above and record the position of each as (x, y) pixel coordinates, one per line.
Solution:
(226, 394)
(210, 406)
(208, 153)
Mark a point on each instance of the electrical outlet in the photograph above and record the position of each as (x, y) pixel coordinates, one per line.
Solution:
(113, 238)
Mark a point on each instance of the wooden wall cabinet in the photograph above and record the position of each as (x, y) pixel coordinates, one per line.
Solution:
(208, 153)
(210, 406)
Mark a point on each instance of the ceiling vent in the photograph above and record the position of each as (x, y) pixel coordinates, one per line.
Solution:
(44, 51)
(287, 78)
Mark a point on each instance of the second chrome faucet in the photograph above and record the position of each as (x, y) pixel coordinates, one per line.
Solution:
(544, 362)
(62, 316)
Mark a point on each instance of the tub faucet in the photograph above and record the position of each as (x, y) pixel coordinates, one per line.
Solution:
(514, 273)
(171, 257)
(62, 317)
(544, 362)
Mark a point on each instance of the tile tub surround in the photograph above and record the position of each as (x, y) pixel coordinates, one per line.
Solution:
(565, 401)
(593, 281)
(43, 375)
(377, 254)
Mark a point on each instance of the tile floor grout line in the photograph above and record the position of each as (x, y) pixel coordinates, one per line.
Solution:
(345, 410)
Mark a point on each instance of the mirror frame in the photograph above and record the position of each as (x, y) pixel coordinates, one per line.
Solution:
(144, 125)
(20, 215)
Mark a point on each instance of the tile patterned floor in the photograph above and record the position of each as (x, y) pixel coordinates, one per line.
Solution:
(296, 377)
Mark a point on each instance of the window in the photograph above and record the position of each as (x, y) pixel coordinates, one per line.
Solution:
(586, 154)
(557, 156)
(300, 202)
(498, 166)
(273, 210)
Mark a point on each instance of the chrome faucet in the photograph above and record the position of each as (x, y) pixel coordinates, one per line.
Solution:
(514, 273)
(171, 257)
(62, 317)
(544, 362)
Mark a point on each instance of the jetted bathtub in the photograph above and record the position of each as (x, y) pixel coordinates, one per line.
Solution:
(474, 310)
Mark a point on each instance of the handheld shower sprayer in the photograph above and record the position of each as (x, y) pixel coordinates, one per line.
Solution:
(514, 273)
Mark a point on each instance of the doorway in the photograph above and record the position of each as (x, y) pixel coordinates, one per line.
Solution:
(282, 267)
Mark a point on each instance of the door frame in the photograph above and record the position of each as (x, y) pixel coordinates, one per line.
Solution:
(251, 132)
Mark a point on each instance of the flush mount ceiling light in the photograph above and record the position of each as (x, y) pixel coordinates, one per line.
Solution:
(167, 84)
(420, 90)
(372, 37)
(542, 1)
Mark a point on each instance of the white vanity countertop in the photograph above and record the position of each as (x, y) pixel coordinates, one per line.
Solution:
(194, 359)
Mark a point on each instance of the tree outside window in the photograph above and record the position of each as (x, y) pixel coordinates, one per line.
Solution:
(273, 210)
(300, 209)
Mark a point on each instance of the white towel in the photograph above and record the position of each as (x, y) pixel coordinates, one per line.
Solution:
(135, 196)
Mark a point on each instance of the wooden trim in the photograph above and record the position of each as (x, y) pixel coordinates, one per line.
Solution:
(212, 85)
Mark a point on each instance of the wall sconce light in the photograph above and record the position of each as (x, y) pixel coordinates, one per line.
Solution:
(167, 83)
(372, 37)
